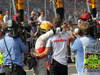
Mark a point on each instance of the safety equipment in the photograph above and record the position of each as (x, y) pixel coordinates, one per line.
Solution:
(85, 16)
(46, 26)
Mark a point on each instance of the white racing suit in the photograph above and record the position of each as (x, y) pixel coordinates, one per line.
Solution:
(39, 48)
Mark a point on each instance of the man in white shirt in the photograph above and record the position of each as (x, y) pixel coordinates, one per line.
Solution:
(58, 44)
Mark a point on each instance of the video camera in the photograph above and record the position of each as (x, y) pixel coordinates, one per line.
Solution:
(17, 29)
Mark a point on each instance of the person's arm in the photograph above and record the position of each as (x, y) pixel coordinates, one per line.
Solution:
(23, 46)
(77, 45)
(54, 31)
(50, 33)
(46, 51)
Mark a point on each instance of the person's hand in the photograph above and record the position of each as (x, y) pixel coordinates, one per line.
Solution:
(65, 26)
(22, 22)
(47, 65)
(33, 54)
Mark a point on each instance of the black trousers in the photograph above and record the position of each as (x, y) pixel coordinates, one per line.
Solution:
(60, 12)
(58, 69)
(16, 70)
(2, 74)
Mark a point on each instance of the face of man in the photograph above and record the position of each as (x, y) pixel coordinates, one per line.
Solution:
(83, 24)
(65, 26)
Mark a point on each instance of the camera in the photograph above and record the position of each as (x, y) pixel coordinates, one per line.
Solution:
(17, 29)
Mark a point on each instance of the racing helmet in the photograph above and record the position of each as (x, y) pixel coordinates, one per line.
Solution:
(46, 26)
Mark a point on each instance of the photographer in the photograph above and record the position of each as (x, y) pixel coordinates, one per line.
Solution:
(13, 49)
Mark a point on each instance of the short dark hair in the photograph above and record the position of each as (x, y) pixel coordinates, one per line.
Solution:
(57, 21)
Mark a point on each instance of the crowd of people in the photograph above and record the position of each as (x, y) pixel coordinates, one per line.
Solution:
(52, 43)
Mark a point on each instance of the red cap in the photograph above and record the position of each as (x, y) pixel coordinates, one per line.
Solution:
(85, 16)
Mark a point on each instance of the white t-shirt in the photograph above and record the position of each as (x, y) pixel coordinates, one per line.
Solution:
(59, 43)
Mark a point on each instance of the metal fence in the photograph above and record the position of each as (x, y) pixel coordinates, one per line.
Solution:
(73, 8)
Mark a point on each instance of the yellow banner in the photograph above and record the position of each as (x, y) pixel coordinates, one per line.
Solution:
(59, 4)
(92, 3)
(20, 4)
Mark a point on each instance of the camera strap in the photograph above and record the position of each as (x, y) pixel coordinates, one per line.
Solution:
(8, 51)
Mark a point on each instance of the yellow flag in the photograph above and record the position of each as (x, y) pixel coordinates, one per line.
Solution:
(59, 4)
(20, 4)
(92, 3)
(1, 58)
